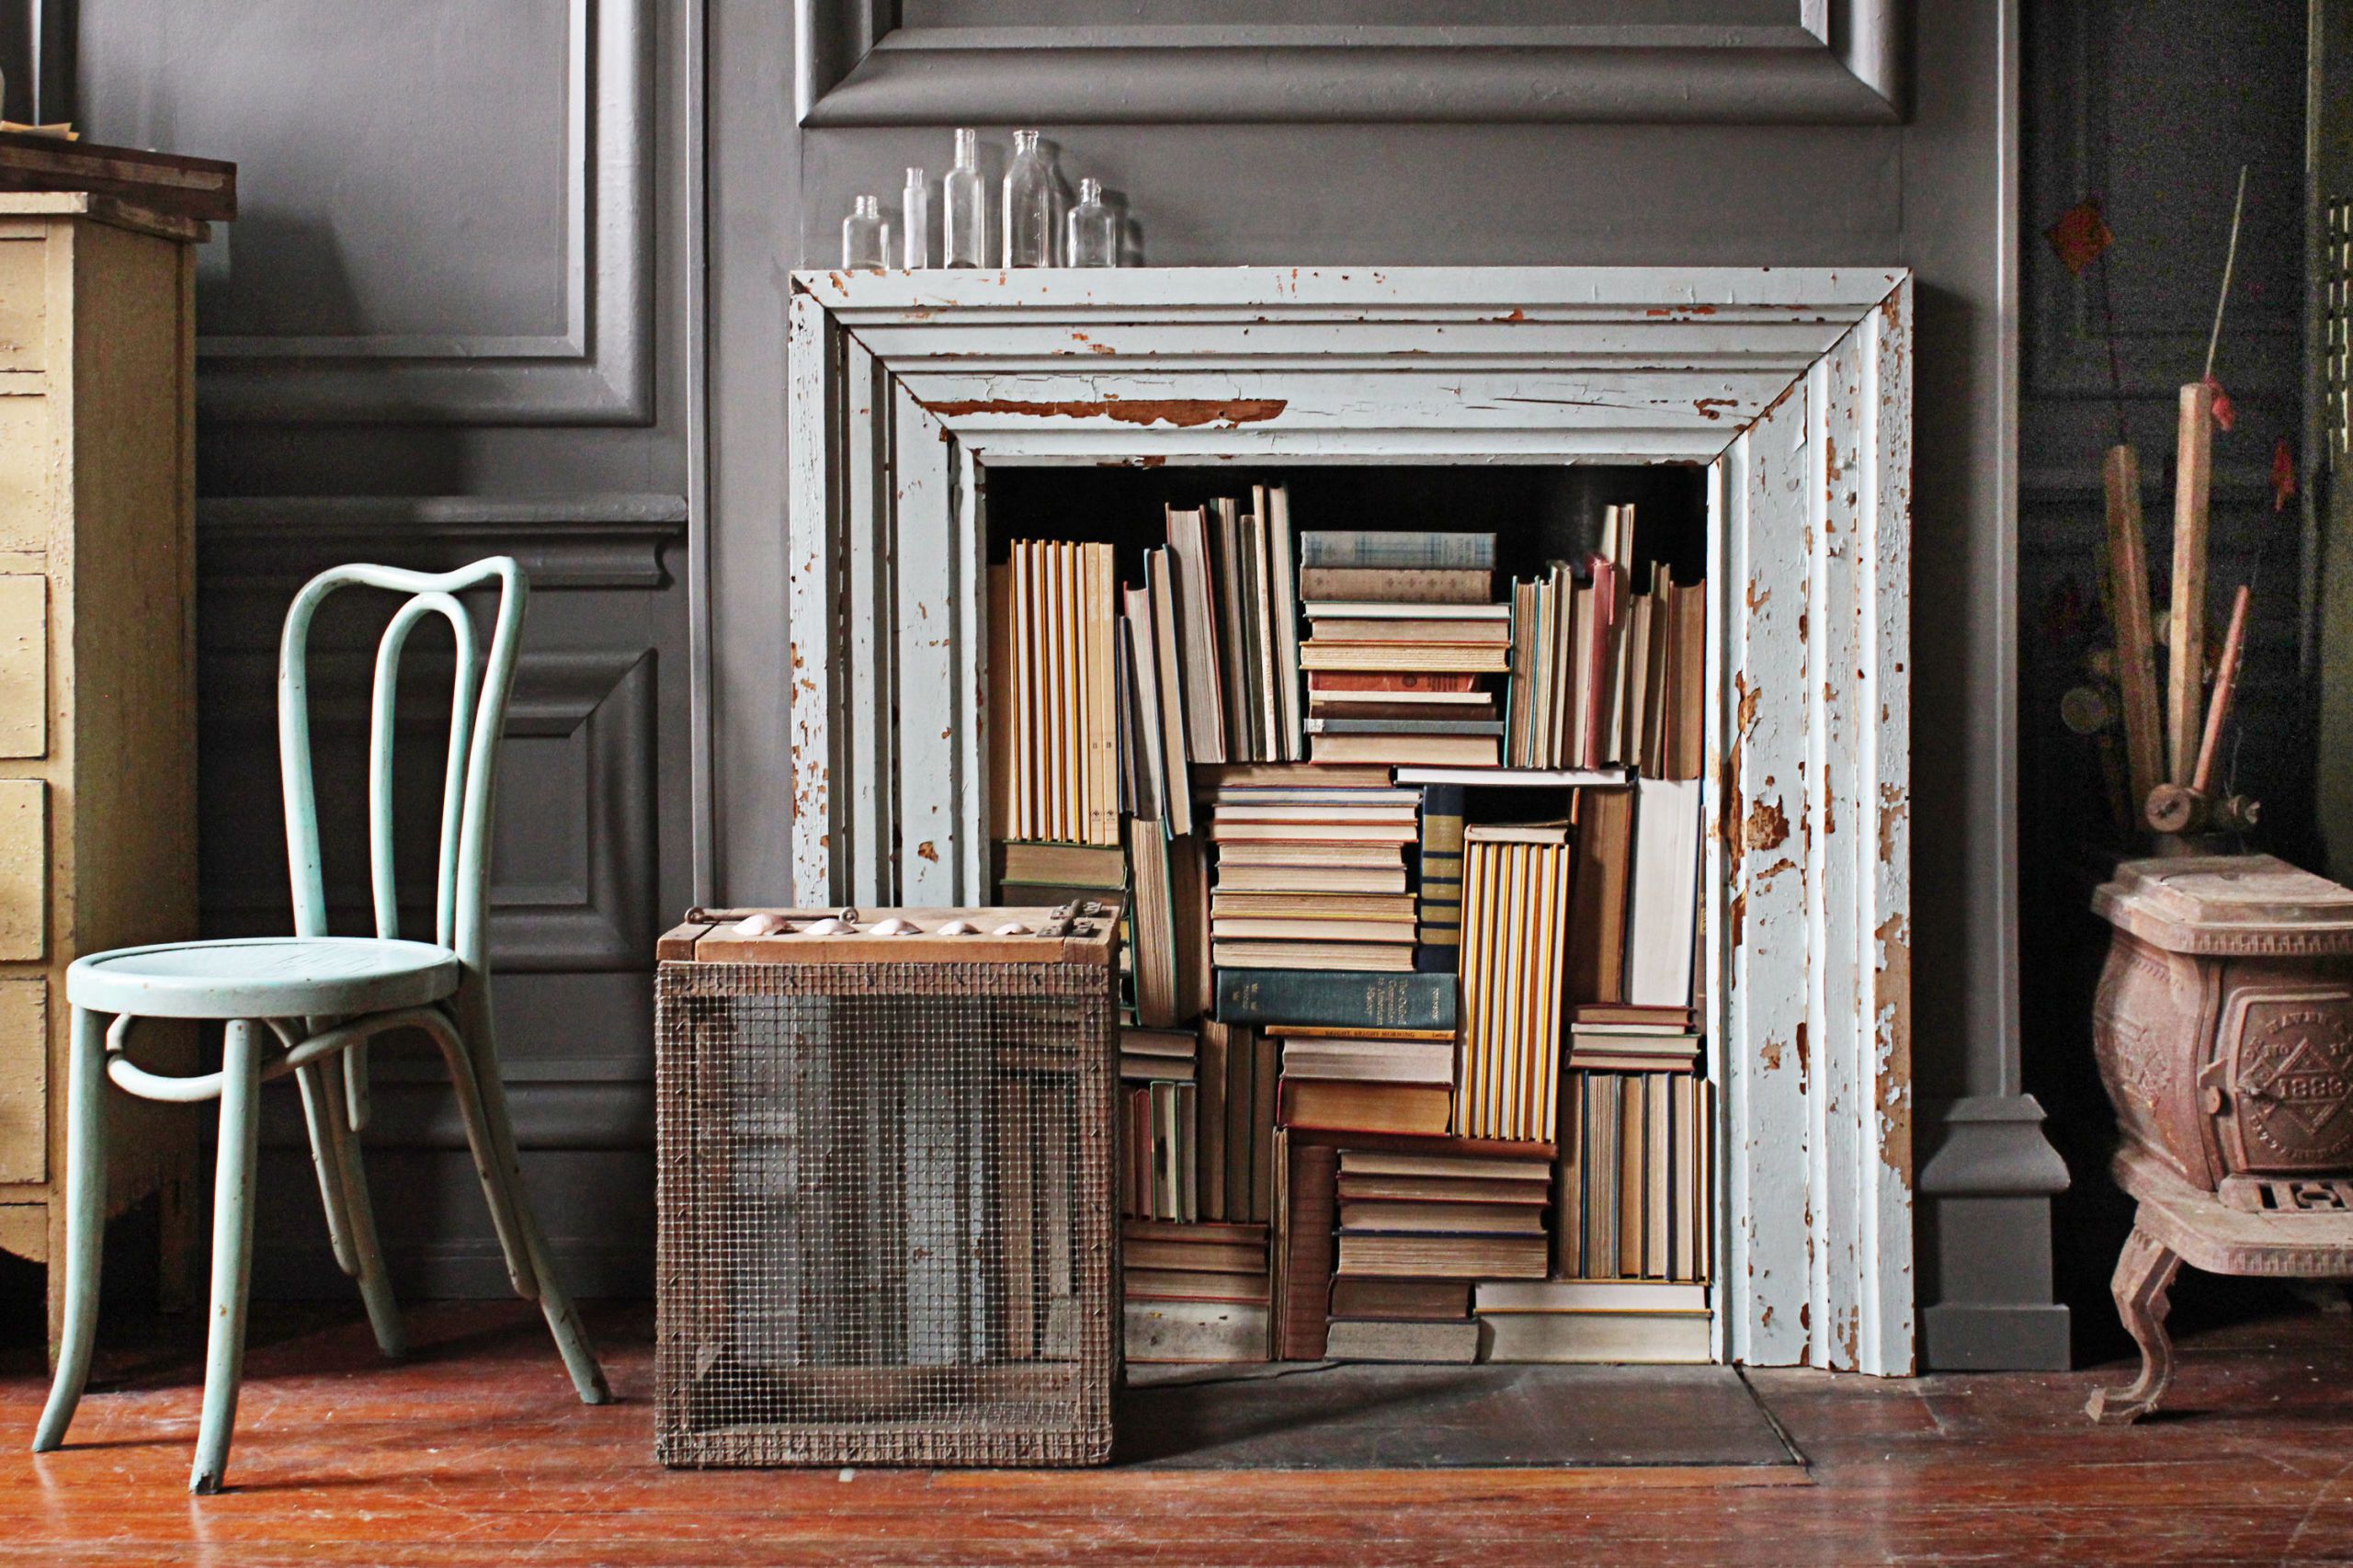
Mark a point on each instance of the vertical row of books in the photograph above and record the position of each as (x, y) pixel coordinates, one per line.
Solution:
(1411, 1062)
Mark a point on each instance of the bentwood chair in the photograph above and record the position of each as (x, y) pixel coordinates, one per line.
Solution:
(321, 998)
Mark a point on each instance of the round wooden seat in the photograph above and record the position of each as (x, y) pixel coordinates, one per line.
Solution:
(264, 977)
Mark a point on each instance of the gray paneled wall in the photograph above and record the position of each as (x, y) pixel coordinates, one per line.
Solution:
(2152, 108)
(474, 242)
(446, 327)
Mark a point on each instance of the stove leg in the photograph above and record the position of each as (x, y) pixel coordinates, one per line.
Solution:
(2143, 1274)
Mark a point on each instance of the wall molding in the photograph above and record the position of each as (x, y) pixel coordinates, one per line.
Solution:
(606, 918)
(587, 540)
(1842, 62)
(599, 369)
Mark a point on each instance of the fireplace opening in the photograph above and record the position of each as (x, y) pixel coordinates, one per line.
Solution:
(1397, 770)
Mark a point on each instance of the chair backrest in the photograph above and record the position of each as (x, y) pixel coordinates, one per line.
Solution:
(477, 715)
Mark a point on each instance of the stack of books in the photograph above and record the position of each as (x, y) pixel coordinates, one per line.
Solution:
(1158, 1056)
(1234, 1123)
(1194, 1292)
(1310, 872)
(1158, 1177)
(1395, 666)
(1364, 1080)
(1604, 674)
(1592, 1320)
(1636, 1165)
(1237, 637)
(1055, 675)
(1516, 907)
(1416, 1231)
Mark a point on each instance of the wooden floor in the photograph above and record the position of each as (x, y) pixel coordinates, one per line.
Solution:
(474, 1452)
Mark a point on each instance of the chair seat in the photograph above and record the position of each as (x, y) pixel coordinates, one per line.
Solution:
(263, 977)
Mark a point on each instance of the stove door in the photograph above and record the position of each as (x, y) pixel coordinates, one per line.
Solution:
(2288, 1106)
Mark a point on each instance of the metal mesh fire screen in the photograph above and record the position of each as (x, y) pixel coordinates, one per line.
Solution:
(887, 1228)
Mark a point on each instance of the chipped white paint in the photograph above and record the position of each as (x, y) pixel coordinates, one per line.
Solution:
(1792, 384)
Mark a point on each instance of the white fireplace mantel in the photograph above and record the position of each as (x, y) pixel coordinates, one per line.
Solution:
(1792, 386)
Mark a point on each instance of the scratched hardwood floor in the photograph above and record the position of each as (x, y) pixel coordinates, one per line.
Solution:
(475, 1452)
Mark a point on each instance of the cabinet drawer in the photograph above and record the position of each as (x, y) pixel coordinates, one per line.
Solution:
(27, 472)
(24, 868)
(23, 1080)
(24, 304)
(24, 665)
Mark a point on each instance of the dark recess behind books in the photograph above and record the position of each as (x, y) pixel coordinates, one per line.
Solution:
(1539, 511)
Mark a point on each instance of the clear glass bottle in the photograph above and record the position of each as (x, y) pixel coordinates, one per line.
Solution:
(866, 236)
(914, 222)
(1094, 228)
(1032, 206)
(967, 200)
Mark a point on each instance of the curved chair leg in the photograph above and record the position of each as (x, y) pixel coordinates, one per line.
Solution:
(570, 1336)
(233, 1238)
(312, 1081)
(359, 1214)
(487, 1153)
(2143, 1273)
(85, 1224)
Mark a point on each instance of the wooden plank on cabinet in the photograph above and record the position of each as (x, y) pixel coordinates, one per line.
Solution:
(24, 666)
(24, 1081)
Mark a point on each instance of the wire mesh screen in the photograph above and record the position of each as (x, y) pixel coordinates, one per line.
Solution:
(886, 1213)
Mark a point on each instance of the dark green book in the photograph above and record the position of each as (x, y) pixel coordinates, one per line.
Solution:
(1395, 550)
(1439, 906)
(1346, 998)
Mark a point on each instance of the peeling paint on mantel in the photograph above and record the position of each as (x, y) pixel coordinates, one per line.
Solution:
(1792, 385)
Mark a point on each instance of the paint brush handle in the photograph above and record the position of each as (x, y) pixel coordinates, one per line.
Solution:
(2226, 680)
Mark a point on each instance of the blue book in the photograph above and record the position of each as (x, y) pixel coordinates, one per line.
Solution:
(1407, 550)
(1343, 998)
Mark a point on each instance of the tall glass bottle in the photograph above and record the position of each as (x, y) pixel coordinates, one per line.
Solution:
(967, 199)
(1093, 237)
(914, 221)
(866, 236)
(1032, 205)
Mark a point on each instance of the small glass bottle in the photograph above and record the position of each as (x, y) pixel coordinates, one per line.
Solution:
(1094, 228)
(914, 222)
(966, 198)
(1032, 205)
(866, 236)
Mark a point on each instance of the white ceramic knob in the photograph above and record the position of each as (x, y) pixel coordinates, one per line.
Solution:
(829, 927)
(1013, 928)
(763, 924)
(959, 929)
(895, 927)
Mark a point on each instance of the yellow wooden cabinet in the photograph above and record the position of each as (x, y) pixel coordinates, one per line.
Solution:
(97, 673)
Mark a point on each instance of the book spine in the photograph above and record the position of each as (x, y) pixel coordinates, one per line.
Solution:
(1439, 904)
(1335, 996)
(1308, 1253)
(1349, 547)
(1447, 585)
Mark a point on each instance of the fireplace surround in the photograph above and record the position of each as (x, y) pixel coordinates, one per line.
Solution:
(1791, 386)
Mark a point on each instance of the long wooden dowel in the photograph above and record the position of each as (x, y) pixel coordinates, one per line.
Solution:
(2136, 657)
(2186, 632)
(2226, 681)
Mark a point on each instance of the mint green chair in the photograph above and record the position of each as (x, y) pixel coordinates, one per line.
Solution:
(320, 999)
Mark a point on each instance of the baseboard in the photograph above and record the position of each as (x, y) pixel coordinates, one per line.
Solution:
(457, 1270)
(1994, 1336)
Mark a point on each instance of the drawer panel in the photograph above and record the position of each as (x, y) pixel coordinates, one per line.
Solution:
(24, 665)
(24, 868)
(23, 1080)
(24, 303)
(27, 472)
